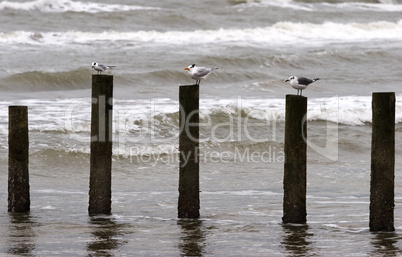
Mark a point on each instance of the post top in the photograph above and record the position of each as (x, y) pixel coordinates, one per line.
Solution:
(17, 106)
(296, 96)
(102, 75)
(192, 85)
(383, 93)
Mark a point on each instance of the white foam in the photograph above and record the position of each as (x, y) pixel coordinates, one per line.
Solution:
(133, 117)
(61, 192)
(69, 6)
(48, 207)
(288, 4)
(331, 225)
(150, 127)
(240, 193)
(153, 151)
(279, 34)
(347, 110)
(384, 5)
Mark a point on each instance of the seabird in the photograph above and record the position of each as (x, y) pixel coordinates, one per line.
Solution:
(199, 73)
(100, 67)
(300, 83)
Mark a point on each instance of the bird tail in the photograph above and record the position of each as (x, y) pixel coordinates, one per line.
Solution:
(214, 68)
(316, 79)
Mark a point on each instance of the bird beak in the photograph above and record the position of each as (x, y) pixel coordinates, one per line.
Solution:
(186, 68)
(287, 80)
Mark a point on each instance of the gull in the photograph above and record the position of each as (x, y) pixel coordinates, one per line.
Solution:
(100, 67)
(199, 73)
(300, 83)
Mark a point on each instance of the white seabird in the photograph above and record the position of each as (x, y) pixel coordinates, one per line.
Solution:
(199, 73)
(101, 68)
(300, 83)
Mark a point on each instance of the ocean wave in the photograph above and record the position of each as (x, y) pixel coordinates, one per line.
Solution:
(137, 121)
(151, 150)
(151, 127)
(346, 110)
(370, 5)
(309, 1)
(394, 2)
(46, 81)
(387, 6)
(59, 150)
(154, 152)
(288, 4)
(69, 6)
(279, 33)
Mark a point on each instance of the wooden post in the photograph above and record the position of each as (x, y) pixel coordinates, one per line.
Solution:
(382, 163)
(294, 182)
(189, 188)
(100, 182)
(18, 160)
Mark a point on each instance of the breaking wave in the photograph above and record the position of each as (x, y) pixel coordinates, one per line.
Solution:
(46, 81)
(385, 5)
(159, 118)
(69, 6)
(149, 127)
(279, 33)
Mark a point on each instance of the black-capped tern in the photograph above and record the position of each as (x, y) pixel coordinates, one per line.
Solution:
(199, 73)
(101, 68)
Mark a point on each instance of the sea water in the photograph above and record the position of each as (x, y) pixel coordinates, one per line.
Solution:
(46, 51)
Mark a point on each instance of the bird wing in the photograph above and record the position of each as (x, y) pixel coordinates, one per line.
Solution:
(102, 67)
(202, 71)
(304, 81)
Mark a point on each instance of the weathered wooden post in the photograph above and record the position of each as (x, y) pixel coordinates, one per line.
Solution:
(294, 182)
(189, 188)
(382, 162)
(18, 160)
(100, 181)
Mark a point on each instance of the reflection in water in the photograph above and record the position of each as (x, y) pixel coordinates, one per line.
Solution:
(384, 244)
(295, 240)
(21, 234)
(192, 239)
(106, 234)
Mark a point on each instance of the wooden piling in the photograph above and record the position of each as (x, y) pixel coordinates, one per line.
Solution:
(294, 182)
(18, 160)
(382, 162)
(100, 182)
(189, 198)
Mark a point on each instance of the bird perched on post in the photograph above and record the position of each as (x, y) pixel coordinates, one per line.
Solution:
(199, 73)
(100, 67)
(300, 83)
